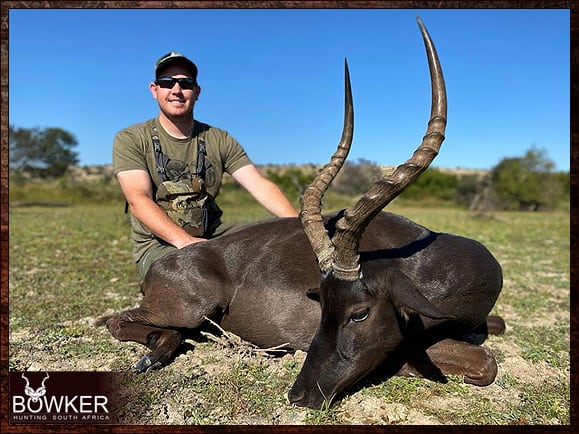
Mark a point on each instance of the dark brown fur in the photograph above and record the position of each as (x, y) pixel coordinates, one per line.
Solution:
(262, 281)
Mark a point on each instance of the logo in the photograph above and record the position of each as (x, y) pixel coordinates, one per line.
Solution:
(61, 397)
(35, 395)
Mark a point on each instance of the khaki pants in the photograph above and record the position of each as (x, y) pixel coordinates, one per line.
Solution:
(152, 255)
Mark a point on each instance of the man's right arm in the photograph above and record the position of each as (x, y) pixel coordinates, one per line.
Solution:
(138, 190)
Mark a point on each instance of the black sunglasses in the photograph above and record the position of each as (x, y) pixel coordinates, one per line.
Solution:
(169, 82)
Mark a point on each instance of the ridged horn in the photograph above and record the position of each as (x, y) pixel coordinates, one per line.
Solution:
(351, 226)
(311, 214)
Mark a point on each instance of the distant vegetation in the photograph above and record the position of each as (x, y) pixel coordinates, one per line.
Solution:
(42, 153)
(43, 169)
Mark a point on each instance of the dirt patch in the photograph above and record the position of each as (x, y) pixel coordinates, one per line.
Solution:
(215, 364)
(535, 374)
(360, 410)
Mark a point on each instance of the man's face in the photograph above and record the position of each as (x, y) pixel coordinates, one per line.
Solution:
(175, 101)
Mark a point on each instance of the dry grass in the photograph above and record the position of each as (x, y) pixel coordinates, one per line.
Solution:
(70, 265)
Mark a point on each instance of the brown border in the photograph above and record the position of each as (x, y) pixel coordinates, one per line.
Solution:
(5, 6)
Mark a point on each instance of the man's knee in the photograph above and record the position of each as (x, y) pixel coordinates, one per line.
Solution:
(151, 256)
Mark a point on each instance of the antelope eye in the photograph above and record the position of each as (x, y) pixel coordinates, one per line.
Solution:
(360, 316)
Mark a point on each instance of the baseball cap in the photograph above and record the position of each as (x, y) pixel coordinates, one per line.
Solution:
(172, 58)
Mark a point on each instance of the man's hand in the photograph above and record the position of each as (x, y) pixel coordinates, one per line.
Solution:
(138, 191)
(187, 241)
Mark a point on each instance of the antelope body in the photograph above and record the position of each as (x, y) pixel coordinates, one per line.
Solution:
(357, 290)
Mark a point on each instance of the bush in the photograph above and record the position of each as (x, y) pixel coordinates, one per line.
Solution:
(528, 183)
(292, 181)
(356, 178)
(432, 185)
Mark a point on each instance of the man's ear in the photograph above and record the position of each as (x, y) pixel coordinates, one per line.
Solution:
(153, 89)
(197, 90)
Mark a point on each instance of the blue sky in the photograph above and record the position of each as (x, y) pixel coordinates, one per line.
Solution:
(274, 78)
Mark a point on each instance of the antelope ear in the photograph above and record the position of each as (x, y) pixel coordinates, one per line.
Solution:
(409, 300)
(313, 294)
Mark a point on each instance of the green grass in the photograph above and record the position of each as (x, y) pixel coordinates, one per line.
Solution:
(549, 344)
(70, 264)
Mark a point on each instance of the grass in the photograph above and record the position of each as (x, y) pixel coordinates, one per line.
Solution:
(70, 264)
(549, 344)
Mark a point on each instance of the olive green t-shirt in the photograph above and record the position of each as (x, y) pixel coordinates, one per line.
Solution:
(133, 149)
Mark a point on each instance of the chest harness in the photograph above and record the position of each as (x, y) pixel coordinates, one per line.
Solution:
(183, 195)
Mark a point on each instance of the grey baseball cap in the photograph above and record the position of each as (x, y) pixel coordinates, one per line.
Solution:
(175, 58)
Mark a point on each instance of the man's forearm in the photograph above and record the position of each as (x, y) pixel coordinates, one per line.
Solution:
(273, 199)
(160, 224)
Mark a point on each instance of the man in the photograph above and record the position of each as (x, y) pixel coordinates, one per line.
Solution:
(170, 169)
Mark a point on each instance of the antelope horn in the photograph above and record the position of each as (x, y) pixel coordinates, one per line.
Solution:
(351, 226)
(26, 379)
(45, 378)
(311, 214)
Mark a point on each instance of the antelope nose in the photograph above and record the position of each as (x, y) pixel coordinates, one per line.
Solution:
(296, 397)
(304, 399)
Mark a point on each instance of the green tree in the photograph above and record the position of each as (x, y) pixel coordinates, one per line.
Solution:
(526, 183)
(432, 184)
(42, 152)
(292, 181)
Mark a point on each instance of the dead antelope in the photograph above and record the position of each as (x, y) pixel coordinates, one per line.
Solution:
(356, 290)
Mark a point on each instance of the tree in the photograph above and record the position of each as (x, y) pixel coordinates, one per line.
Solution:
(526, 183)
(433, 184)
(292, 181)
(42, 152)
(356, 177)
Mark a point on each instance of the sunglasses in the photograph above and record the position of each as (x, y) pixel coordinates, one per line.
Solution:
(169, 82)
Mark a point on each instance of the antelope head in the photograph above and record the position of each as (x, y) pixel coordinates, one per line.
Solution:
(349, 342)
(35, 394)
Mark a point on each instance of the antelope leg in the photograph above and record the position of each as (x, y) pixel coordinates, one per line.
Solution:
(163, 342)
(474, 363)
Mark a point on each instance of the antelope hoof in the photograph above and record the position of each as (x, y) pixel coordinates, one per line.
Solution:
(147, 365)
(495, 325)
(485, 371)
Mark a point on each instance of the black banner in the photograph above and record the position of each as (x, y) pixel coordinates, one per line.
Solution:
(64, 397)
